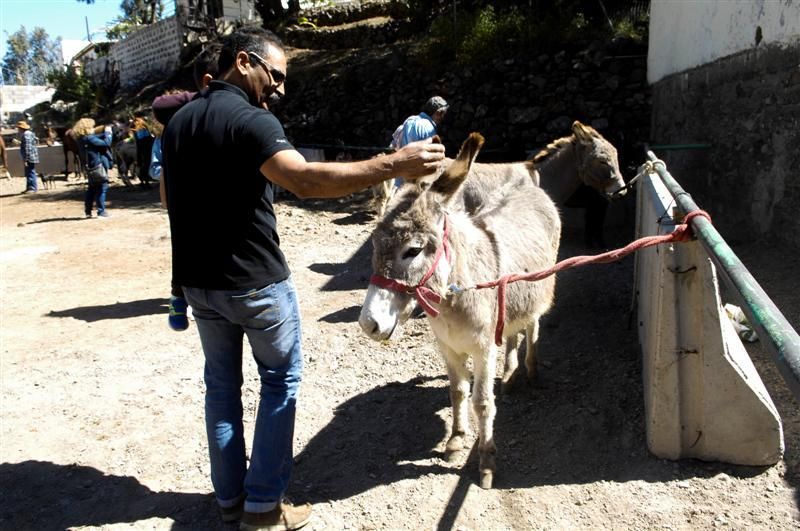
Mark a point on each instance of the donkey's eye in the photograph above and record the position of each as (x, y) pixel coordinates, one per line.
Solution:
(412, 252)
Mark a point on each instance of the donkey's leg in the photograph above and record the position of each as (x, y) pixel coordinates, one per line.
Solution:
(483, 404)
(458, 375)
(511, 364)
(531, 336)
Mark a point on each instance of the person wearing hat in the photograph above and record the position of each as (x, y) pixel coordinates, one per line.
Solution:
(420, 126)
(30, 155)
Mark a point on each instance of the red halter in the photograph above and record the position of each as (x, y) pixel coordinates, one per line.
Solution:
(425, 296)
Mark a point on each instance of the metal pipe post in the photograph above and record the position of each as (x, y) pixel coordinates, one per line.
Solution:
(770, 324)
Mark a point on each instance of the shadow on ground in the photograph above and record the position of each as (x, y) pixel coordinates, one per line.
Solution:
(118, 197)
(118, 310)
(582, 421)
(88, 497)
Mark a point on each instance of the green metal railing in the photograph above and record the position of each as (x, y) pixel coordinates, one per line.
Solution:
(770, 324)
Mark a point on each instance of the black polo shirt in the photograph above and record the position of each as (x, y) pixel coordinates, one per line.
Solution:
(222, 221)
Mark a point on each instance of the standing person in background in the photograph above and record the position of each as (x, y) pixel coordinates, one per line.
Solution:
(98, 161)
(164, 107)
(144, 146)
(224, 152)
(29, 152)
(420, 126)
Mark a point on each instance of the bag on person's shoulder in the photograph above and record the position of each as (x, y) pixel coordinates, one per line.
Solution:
(97, 175)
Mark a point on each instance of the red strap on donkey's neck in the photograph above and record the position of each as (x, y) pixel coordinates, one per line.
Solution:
(425, 296)
(682, 232)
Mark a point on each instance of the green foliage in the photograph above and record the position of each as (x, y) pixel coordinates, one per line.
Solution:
(485, 30)
(30, 57)
(135, 13)
(306, 22)
(121, 29)
(72, 86)
(634, 26)
(474, 32)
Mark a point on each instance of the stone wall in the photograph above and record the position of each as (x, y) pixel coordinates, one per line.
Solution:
(747, 107)
(519, 103)
(149, 52)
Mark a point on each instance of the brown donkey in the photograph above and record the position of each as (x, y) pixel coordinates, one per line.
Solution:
(427, 242)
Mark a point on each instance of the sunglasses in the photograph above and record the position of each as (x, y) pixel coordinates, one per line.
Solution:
(277, 76)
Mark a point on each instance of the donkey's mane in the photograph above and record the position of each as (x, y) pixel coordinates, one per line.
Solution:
(552, 148)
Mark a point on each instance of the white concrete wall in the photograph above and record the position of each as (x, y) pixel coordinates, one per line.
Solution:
(689, 33)
(17, 98)
(703, 397)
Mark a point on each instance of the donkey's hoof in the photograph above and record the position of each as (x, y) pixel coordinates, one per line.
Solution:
(455, 443)
(487, 477)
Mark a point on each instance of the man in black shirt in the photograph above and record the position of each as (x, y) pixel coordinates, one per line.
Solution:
(223, 154)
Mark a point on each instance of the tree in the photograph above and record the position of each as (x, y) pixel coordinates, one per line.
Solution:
(135, 13)
(274, 14)
(142, 11)
(72, 86)
(31, 57)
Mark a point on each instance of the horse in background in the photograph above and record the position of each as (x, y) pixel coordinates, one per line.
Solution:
(4, 173)
(125, 159)
(71, 144)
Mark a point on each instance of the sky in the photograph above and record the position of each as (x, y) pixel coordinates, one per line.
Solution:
(60, 18)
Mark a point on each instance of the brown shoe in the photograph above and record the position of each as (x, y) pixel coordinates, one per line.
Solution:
(231, 514)
(284, 517)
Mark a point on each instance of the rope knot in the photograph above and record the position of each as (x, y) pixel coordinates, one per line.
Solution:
(684, 232)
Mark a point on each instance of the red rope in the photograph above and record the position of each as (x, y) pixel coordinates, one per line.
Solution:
(682, 232)
(425, 296)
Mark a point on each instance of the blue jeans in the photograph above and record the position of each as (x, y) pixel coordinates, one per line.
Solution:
(270, 317)
(95, 192)
(31, 185)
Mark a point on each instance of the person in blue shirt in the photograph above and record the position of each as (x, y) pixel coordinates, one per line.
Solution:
(420, 126)
(98, 161)
(155, 159)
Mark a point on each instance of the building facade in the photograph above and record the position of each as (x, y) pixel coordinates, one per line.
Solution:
(726, 110)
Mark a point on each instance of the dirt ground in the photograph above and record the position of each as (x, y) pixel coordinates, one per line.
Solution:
(102, 404)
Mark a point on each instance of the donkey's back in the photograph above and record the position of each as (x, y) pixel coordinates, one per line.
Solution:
(522, 227)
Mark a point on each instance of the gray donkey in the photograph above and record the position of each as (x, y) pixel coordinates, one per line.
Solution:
(583, 158)
(427, 242)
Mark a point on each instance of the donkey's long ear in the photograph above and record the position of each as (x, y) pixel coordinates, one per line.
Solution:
(457, 172)
(582, 132)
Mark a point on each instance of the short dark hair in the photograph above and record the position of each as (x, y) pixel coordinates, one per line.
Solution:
(436, 103)
(207, 62)
(246, 39)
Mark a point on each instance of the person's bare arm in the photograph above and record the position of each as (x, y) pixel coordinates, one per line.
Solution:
(288, 169)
